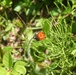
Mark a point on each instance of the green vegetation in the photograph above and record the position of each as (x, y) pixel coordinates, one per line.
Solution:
(38, 37)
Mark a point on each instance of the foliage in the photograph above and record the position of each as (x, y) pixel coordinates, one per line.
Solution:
(22, 52)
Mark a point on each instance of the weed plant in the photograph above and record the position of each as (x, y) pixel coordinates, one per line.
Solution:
(37, 37)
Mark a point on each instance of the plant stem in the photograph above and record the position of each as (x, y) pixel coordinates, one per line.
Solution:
(29, 51)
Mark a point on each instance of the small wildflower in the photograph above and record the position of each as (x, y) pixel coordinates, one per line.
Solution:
(40, 35)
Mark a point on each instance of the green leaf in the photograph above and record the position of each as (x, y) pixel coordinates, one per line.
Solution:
(73, 53)
(18, 23)
(17, 8)
(29, 34)
(55, 12)
(15, 73)
(73, 1)
(74, 13)
(7, 49)
(7, 60)
(9, 27)
(68, 10)
(2, 71)
(54, 65)
(46, 26)
(5, 37)
(7, 3)
(39, 22)
(22, 63)
(74, 6)
(20, 69)
(8, 73)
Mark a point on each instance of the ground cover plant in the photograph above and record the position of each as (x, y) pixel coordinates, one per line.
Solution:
(38, 37)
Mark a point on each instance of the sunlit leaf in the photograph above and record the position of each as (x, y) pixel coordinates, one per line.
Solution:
(29, 34)
(9, 27)
(7, 3)
(39, 22)
(46, 26)
(8, 73)
(15, 73)
(2, 71)
(20, 69)
(73, 1)
(68, 10)
(7, 60)
(22, 63)
(53, 65)
(17, 8)
(55, 12)
(7, 49)
(73, 53)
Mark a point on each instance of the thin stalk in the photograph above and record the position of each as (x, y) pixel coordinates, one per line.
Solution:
(6, 16)
(29, 51)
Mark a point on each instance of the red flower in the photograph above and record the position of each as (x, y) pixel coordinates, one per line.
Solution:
(40, 35)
